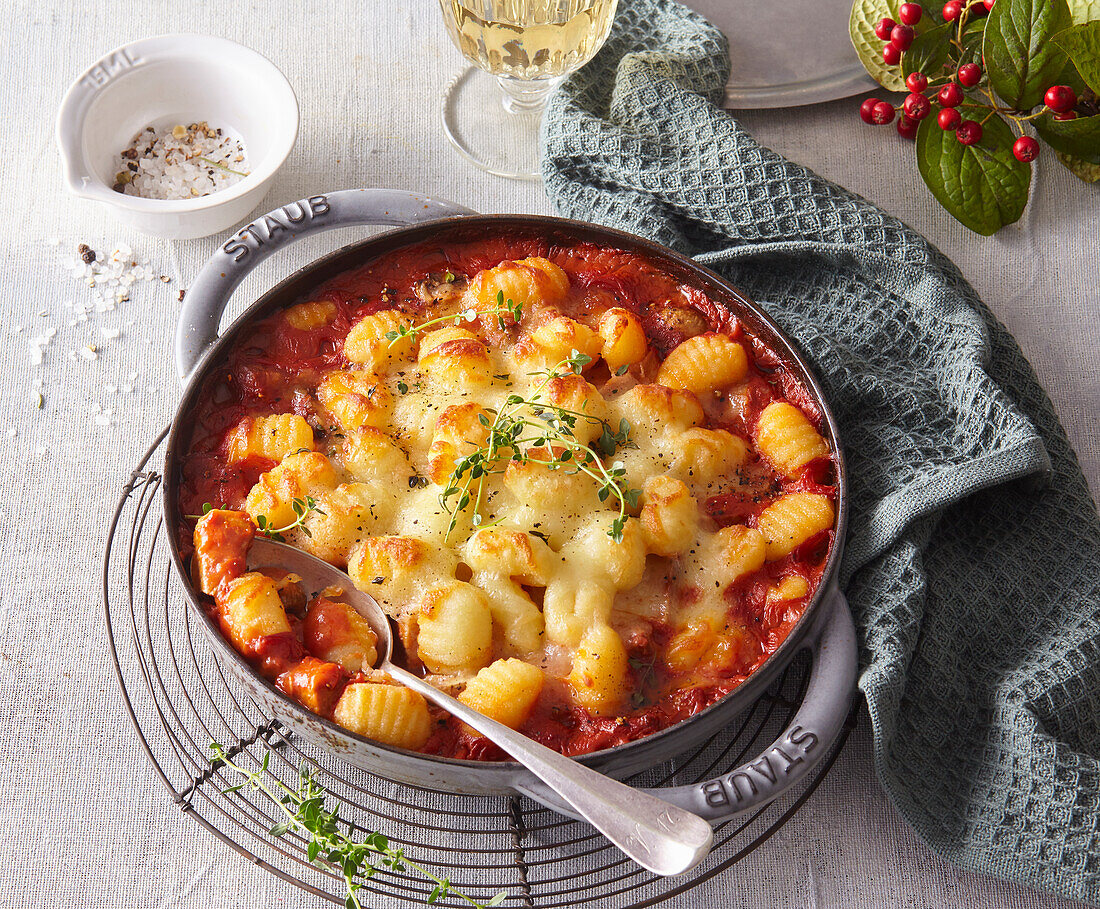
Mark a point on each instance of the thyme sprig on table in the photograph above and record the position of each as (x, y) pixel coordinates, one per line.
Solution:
(412, 332)
(529, 422)
(304, 813)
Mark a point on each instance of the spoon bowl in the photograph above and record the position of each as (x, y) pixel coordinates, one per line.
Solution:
(659, 836)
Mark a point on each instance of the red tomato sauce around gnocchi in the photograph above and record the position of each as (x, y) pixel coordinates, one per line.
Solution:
(678, 661)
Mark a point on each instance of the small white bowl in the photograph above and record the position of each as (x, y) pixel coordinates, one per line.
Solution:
(169, 80)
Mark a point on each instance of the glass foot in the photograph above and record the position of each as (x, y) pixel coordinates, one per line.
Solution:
(494, 123)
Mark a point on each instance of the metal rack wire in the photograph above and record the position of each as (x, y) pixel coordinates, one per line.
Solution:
(179, 700)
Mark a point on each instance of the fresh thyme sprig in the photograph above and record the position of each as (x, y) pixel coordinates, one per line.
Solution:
(513, 434)
(469, 315)
(304, 812)
(302, 507)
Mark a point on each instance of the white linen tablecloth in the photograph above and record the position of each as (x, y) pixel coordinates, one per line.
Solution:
(82, 820)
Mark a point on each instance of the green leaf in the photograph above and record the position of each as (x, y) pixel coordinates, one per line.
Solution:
(928, 54)
(1084, 11)
(1079, 138)
(1082, 45)
(983, 186)
(861, 28)
(1090, 173)
(971, 40)
(1020, 57)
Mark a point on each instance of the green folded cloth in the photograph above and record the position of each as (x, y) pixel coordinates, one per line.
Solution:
(973, 558)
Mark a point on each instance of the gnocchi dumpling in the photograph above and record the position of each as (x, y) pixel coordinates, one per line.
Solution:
(455, 628)
(342, 518)
(785, 437)
(295, 477)
(502, 561)
(367, 344)
(310, 315)
(554, 341)
(272, 438)
(459, 431)
(250, 611)
(792, 519)
(505, 690)
(370, 453)
(624, 341)
(669, 517)
(390, 714)
(455, 358)
(335, 632)
(397, 570)
(355, 399)
(601, 668)
(526, 281)
(703, 364)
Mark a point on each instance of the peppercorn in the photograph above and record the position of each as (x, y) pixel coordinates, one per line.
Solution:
(86, 253)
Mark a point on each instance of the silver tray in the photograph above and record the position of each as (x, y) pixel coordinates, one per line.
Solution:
(787, 54)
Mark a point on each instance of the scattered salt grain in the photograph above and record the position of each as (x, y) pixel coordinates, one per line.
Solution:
(88, 352)
(180, 163)
(38, 345)
(110, 333)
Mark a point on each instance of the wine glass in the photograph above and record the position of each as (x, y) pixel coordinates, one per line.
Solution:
(521, 49)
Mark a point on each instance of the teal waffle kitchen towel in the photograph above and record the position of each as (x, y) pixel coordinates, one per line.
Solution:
(973, 559)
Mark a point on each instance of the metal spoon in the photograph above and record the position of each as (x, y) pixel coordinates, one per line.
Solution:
(657, 835)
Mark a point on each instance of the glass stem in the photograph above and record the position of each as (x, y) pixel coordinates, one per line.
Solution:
(526, 96)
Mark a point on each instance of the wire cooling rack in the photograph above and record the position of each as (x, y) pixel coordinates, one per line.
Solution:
(179, 699)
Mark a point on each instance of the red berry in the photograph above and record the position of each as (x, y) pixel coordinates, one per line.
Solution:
(978, 9)
(916, 82)
(902, 36)
(949, 119)
(1060, 98)
(969, 132)
(1067, 115)
(866, 108)
(970, 74)
(910, 13)
(883, 29)
(907, 127)
(989, 4)
(917, 107)
(950, 95)
(952, 10)
(882, 113)
(1025, 149)
(891, 54)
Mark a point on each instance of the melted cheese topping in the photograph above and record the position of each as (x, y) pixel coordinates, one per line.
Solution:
(526, 568)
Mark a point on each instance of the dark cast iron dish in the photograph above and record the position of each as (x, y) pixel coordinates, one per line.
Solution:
(825, 629)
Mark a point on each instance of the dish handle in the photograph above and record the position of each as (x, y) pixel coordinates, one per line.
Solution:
(801, 747)
(206, 299)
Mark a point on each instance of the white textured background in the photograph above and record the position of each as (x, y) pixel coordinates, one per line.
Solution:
(82, 819)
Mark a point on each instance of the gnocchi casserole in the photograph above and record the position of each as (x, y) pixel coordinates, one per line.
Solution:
(589, 498)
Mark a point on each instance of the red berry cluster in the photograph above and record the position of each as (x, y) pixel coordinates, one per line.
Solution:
(1060, 99)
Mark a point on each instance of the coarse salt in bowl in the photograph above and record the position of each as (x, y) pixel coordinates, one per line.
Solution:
(166, 81)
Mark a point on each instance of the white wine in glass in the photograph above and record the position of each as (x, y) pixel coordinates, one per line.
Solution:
(528, 46)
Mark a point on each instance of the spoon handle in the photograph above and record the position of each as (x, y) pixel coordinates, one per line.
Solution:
(657, 835)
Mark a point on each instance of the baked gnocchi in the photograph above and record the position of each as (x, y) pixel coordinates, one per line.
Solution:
(590, 504)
